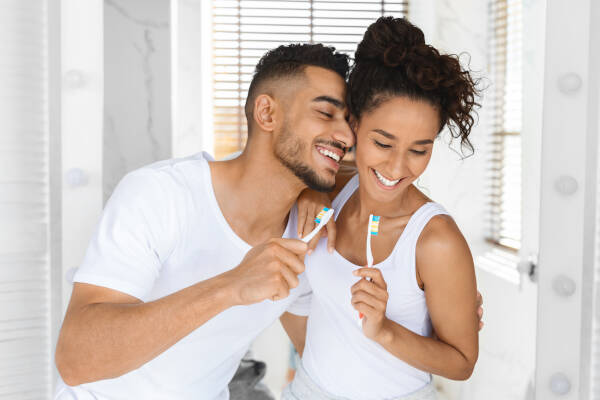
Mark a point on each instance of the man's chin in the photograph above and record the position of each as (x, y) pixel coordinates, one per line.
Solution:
(324, 187)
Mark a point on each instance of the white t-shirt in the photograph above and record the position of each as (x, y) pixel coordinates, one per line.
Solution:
(161, 231)
(337, 355)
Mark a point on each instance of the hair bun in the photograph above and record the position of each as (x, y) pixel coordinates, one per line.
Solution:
(388, 41)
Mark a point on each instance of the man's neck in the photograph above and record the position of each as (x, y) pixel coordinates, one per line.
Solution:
(255, 193)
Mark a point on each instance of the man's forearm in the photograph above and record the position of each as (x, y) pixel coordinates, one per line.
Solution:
(106, 340)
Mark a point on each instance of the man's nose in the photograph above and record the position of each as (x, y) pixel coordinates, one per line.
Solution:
(344, 134)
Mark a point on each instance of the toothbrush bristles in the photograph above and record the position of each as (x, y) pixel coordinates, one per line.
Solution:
(375, 225)
(321, 214)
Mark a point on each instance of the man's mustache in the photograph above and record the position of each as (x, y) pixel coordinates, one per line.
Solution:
(333, 144)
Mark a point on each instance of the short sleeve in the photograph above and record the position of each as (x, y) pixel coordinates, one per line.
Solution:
(301, 305)
(135, 235)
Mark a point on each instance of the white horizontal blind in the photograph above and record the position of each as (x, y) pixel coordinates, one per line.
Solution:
(504, 174)
(24, 256)
(244, 30)
(595, 374)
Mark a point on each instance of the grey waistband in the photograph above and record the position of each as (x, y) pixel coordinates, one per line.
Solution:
(304, 388)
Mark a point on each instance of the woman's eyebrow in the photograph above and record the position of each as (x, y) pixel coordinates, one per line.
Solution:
(385, 134)
(393, 137)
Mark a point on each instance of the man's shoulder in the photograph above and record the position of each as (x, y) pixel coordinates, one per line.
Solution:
(163, 185)
(174, 166)
(173, 174)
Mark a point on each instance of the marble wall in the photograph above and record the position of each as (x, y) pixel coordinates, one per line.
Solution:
(191, 55)
(137, 86)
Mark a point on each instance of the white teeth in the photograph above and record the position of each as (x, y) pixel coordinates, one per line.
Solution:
(330, 154)
(384, 180)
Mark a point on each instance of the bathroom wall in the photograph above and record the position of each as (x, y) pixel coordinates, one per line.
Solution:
(137, 86)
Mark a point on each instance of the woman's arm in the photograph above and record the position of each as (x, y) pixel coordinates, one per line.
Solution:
(445, 266)
(295, 327)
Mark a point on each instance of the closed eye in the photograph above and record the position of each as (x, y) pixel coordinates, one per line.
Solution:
(383, 146)
(419, 152)
(326, 114)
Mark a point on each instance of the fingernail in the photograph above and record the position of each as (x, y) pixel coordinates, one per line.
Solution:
(355, 272)
(309, 252)
(330, 249)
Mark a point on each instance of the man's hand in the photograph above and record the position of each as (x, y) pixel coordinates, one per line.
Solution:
(268, 271)
(480, 309)
(310, 203)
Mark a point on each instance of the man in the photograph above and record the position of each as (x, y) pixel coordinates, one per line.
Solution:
(183, 271)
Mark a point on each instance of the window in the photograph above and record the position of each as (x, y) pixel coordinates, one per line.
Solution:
(244, 30)
(505, 139)
(25, 257)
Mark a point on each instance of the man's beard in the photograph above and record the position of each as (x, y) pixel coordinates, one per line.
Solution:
(288, 149)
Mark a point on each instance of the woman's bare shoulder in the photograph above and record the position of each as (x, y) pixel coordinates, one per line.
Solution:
(442, 243)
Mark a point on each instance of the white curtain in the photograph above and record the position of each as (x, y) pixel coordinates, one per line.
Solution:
(25, 367)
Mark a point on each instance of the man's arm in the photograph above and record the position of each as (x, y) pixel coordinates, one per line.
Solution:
(107, 333)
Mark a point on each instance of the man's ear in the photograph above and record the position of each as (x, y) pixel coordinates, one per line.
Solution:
(264, 112)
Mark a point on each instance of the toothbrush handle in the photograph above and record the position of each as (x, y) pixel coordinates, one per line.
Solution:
(311, 235)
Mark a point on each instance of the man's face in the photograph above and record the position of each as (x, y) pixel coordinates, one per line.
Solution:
(315, 135)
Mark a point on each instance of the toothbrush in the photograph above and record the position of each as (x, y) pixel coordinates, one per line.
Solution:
(322, 219)
(372, 230)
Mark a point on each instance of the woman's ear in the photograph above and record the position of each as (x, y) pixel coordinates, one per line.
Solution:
(264, 112)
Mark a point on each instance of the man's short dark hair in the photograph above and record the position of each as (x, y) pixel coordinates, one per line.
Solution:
(289, 61)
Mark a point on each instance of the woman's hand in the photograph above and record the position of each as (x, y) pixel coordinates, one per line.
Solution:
(310, 202)
(370, 299)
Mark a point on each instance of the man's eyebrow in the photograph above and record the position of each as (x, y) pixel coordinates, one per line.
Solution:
(337, 103)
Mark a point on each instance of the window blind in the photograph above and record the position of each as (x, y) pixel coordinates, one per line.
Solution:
(504, 173)
(595, 356)
(244, 30)
(24, 203)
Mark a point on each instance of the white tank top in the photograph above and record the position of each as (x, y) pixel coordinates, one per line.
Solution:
(337, 355)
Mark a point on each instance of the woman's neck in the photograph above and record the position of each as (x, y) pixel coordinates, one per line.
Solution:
(363, 204)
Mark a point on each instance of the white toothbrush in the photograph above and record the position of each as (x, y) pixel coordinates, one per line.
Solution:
(322, 219)
(372, 230)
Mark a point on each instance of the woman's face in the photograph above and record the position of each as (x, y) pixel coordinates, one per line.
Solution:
(394, 142)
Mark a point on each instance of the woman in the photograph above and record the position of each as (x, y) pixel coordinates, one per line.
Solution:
(401, 94)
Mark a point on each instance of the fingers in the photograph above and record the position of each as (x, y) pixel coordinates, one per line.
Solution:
(331, 235)
(480, 309)
(302, 213)
(373, 273)
(373, 300)
(290, 277)
(296, 246)
(309, 223)
(313, 242)
(282, 289)
(364, 308)
(289, 259)
(367, 291)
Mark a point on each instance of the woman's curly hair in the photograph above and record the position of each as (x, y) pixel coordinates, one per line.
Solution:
(394, 60)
